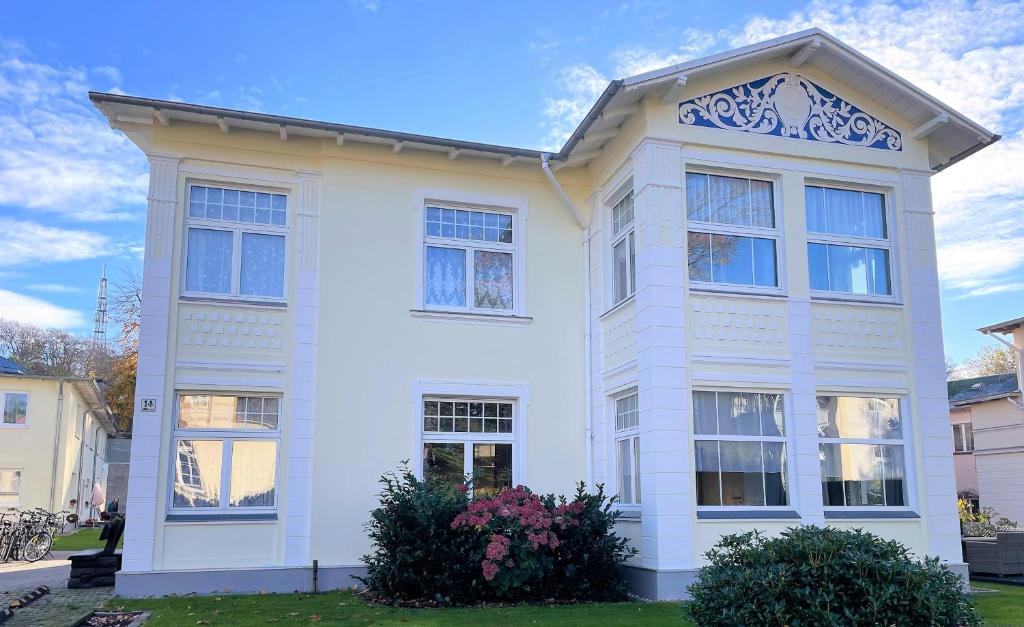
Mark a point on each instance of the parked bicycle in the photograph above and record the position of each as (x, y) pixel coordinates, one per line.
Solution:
(28, 534)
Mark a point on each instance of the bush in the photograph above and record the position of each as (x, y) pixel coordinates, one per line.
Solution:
(815, 576)
(984, 523)
(433, 544)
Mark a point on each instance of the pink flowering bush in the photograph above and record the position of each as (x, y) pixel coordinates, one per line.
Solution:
(513, 546)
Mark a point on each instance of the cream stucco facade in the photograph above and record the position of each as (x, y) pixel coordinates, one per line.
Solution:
(54, 452)
(353, 348)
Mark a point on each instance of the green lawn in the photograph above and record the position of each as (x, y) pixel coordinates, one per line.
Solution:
(81, 540)
(1005, 607)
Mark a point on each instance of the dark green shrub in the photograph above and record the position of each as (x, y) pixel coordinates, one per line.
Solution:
(815, 576)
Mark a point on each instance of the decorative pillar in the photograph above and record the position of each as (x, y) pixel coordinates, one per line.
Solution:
(305, 318)
(664, 397)
(936, 479)
(151, 404)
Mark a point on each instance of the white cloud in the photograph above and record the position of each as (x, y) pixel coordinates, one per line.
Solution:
(57, 153)
(23, 308)
(581, 84)
(55, 288)
(370, 6)
(27, 243)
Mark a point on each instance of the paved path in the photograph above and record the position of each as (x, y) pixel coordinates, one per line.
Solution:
(61, 606)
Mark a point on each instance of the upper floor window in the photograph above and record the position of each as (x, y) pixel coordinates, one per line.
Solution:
(225, 453)
(469, 259)
(848, 247)
(623, 249)
(861, 447)
(469, 437)
(15, 408)
(235, 243)
(10, 487)
(627, 449)
(732, 236)
(740, 441)
(963, 437)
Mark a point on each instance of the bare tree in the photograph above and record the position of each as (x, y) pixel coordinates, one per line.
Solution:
(990, 360)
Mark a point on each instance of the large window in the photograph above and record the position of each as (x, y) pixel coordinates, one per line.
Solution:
(235, 244)
(15, 408)
(740, 441)
(469, 260)
(627, 449)
(861, 446)
(848, 248)
(469, 438)
(10, 487)
(963, 437)
(732, 237)
(225, 453)
(623, 249)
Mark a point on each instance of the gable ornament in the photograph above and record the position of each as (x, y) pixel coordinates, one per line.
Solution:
(789, 105)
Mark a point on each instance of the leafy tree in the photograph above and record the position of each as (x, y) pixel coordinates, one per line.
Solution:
(990, 360)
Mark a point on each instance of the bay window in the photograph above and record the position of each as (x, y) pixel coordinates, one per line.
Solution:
(848, 249)
(740, 449)
(225, 453)
(623, 249)
(469, 437)
(469, 260)
(15, 407)
(732, 236)
(235, 243)
(627, 449)
(862, 452)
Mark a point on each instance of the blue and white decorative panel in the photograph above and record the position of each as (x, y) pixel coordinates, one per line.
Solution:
(789, 105)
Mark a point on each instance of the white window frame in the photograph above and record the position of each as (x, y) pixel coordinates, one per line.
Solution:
(711, 228)
(517, 394)
(626, 232)
(460, 200)
(908, 453)
(792, 493)
(17, 495)
(888, 244)
(631, 435)
(3, 405)
(236, 229)
(227, 437)
(960, 437)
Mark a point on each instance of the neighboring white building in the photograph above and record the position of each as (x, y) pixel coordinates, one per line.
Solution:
(53, 435)
(720, 299)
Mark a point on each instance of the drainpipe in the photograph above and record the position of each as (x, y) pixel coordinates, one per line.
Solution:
(81, 455)
(1020, 365)
(95, 453)
(587, 375)
(56, 446)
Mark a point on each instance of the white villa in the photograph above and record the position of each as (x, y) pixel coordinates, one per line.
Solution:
(719, 299)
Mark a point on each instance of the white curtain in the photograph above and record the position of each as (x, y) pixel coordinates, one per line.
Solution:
(209, 261)
(262, 272)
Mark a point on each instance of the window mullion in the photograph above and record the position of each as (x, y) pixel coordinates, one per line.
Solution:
(225, 472)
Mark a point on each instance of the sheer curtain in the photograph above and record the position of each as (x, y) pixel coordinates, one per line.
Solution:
(446, 276)
(262, 272)
(209, 261)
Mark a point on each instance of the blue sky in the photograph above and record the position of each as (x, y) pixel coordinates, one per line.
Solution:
(72, 192)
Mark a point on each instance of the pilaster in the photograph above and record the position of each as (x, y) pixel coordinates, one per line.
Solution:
(151, 385)
(664, 397)
(936, 479)
(306, 304)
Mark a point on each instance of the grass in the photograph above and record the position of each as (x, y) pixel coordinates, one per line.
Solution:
(1005, 607)
(81, 540)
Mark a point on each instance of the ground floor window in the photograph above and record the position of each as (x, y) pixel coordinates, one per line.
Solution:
(10, 487)
(861, 447)
(740, 449)
(469, 439)
(225, 453)
(627, 449)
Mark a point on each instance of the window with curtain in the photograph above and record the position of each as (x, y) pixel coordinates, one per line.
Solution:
(623, 249)
(10, 487)
(235, 243)
(225, 453)
(15, 408)
(732, 237)
(469, 260)
(627, 449)
(469, 438)
(740, 440)
(862, 452)
(848, 243)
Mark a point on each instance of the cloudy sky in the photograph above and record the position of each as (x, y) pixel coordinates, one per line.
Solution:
(72, 192)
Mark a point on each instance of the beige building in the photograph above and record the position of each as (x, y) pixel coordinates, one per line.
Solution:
(53, 436)
(719, 299)
(987, 416)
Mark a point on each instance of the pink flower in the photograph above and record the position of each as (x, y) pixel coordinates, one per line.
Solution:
(490, 569)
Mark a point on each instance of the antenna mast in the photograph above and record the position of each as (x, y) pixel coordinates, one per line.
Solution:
(99, 328)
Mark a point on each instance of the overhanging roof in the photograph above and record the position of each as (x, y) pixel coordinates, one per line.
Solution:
(951, 135)
(1009, 326)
